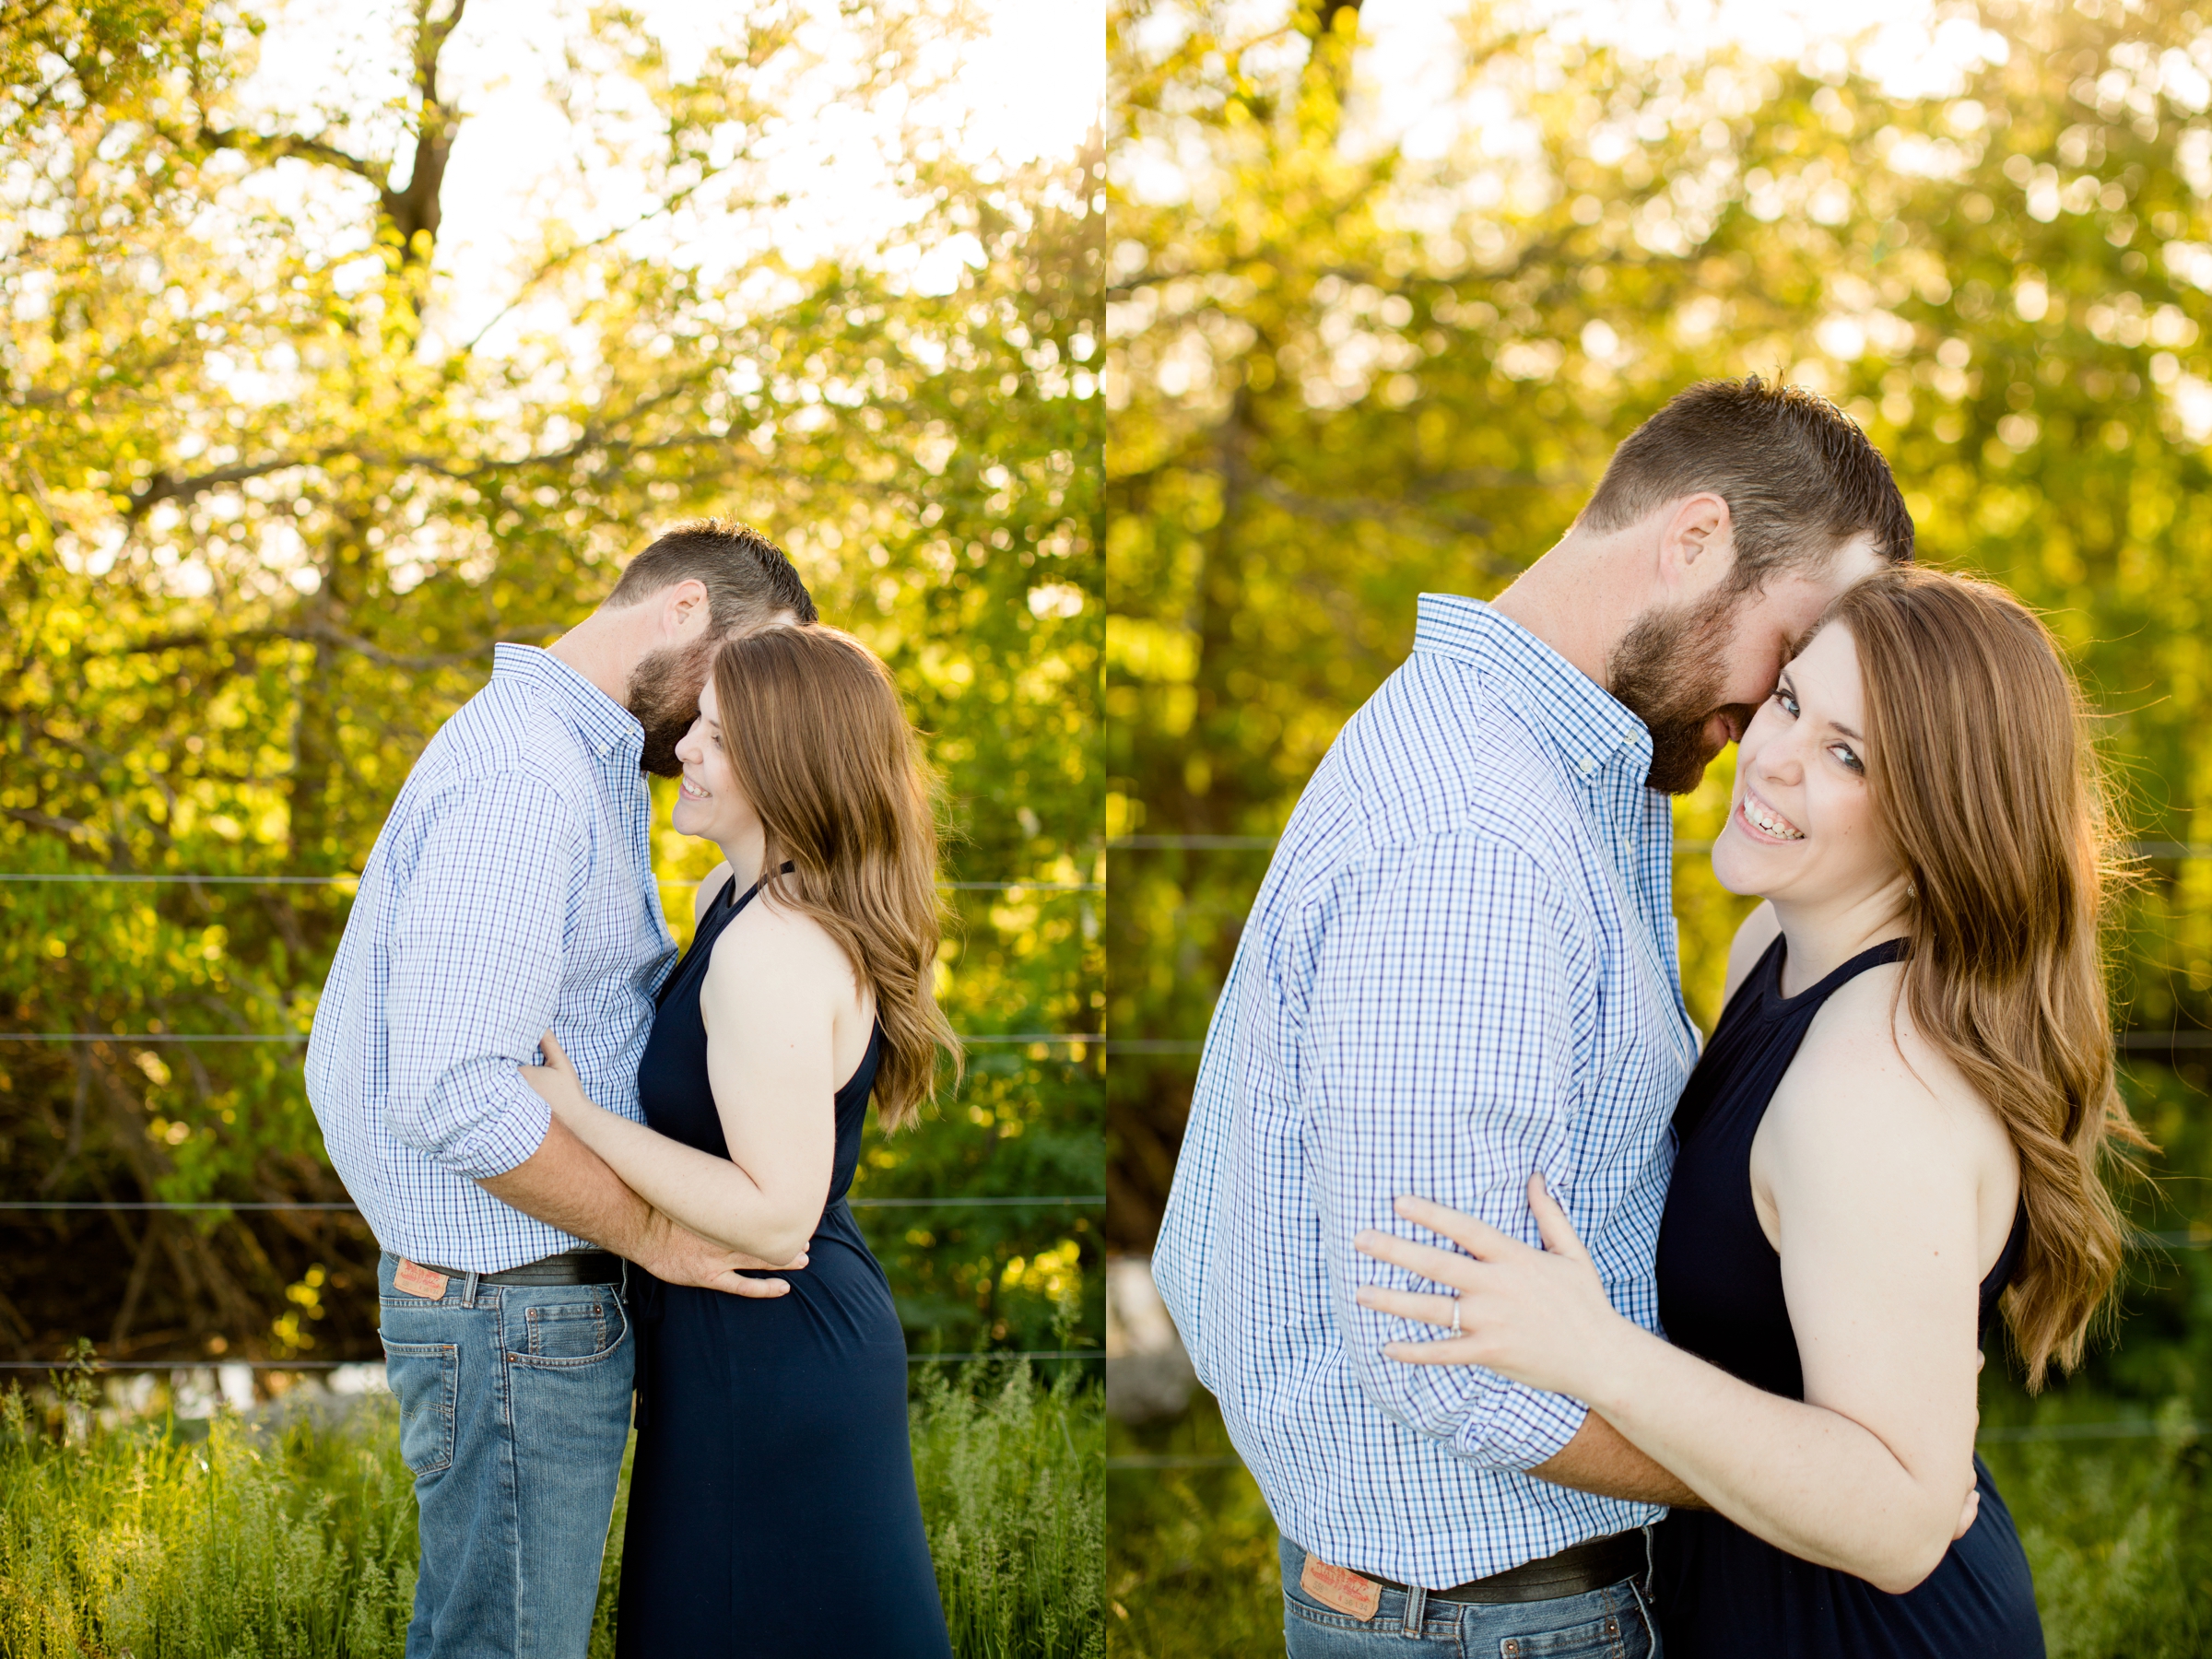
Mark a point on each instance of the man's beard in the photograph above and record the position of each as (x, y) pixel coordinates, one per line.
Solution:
(1668, 672)
(664, 695)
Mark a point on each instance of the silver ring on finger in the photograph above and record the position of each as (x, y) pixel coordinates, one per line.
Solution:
(1455, 1330)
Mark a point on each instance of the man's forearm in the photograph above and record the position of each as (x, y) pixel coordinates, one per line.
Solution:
(1601, 1459)
(566, 1184)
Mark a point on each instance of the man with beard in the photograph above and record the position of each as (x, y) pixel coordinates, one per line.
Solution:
(1462, 969)
(512, 892)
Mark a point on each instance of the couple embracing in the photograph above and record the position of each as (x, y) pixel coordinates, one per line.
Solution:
(594, 1168)
(1455, 1160)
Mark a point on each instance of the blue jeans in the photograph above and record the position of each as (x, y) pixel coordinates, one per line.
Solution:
(1612, 1623)
(514, 1408)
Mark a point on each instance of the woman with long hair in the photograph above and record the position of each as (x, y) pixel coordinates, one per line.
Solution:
(1898, 1128)
(773, 1506)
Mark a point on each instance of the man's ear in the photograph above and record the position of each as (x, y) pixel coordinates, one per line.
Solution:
(1697, 545)
(684, 610)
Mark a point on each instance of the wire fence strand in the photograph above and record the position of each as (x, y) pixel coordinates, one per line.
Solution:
(302, 1365)
(972, 1039)
(1255, 844)
(2132, 1042)
(2024, 1433)
(1056, 1200)
(133, 878)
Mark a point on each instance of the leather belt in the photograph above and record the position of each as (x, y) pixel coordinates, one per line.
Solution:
(571, 1267)
(1575, 1570)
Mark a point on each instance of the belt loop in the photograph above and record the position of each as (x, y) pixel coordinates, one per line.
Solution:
(1651, 1618)
(1417, 1608)
(469, 1289)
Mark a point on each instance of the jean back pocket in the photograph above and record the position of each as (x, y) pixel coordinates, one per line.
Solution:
(426, 1378)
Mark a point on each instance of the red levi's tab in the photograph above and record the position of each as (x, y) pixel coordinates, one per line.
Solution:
(1340, 1588)
(421, 1281)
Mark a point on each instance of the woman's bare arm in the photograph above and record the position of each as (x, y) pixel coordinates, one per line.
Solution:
(771, 1001)
(1873, 1170)
(782, 1008)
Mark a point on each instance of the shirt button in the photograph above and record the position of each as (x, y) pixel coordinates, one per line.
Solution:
(604, 749)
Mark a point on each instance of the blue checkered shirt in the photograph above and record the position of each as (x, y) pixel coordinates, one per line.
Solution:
(511, 891)
(1460, 970)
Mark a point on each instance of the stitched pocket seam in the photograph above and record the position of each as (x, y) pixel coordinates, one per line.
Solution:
(448, 1356)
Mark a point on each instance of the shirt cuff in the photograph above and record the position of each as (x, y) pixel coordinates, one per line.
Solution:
(1519, 1428)
(512, 1126)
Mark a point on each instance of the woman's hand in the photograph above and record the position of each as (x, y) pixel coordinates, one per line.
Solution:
(557, 1082)
(1537, 1316)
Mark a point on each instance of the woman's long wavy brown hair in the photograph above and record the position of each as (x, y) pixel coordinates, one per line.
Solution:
(821, 745)
(1988, 789)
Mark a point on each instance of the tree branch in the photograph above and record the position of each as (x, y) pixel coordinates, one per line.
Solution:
(168, 486)
(266, 148)
(417, 211)
(70, 828)
(314, 633)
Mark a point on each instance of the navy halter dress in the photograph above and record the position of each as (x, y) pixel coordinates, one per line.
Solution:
(772, 1510)
(1724, 1593)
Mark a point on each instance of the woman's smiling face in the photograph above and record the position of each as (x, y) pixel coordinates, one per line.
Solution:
(1802, 825)
(709, 803)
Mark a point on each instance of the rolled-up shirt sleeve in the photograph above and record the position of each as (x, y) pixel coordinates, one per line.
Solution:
(476, 970)
(1438, 1053)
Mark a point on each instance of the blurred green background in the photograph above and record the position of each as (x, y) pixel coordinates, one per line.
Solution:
(1383, 291)
(291, 433)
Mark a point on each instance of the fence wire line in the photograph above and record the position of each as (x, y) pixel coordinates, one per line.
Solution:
(1254, 843)
(295, 1365)
(2022, 1434)
(972, 1038)
(121, 879)
(1062, 1200)
(2134, 1042)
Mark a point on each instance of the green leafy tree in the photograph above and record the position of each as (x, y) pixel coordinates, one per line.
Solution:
(270, 488)
(1340, 375)
(1344, 370)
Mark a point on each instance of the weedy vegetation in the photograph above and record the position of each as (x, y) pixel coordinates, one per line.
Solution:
(147, 1540)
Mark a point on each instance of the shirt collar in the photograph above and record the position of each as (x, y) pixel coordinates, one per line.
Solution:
(1580, 721)
(611, 729)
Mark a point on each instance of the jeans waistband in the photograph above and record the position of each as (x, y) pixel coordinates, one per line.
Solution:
(1575, 1570)
(570, 1267)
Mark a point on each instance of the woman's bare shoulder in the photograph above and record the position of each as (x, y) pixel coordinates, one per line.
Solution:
(1866, 1071)
(775, 950)
(709, 887)
(1750, 943)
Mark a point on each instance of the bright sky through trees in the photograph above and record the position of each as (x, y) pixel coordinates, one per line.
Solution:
(1010, 81)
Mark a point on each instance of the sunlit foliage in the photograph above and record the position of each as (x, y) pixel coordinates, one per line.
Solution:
(270, 487)
(1341, 374)
(1344, 370)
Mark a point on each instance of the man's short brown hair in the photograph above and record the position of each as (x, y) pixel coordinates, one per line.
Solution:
(748, 580)
(1799, 476)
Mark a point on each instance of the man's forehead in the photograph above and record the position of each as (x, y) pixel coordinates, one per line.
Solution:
(759, 625)
(1854, 561)
(1796, 598)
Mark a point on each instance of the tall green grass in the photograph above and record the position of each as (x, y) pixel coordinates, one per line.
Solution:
(1191, 1567)
(300, 1540)
(2118, 1534)
(1013, 1492)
